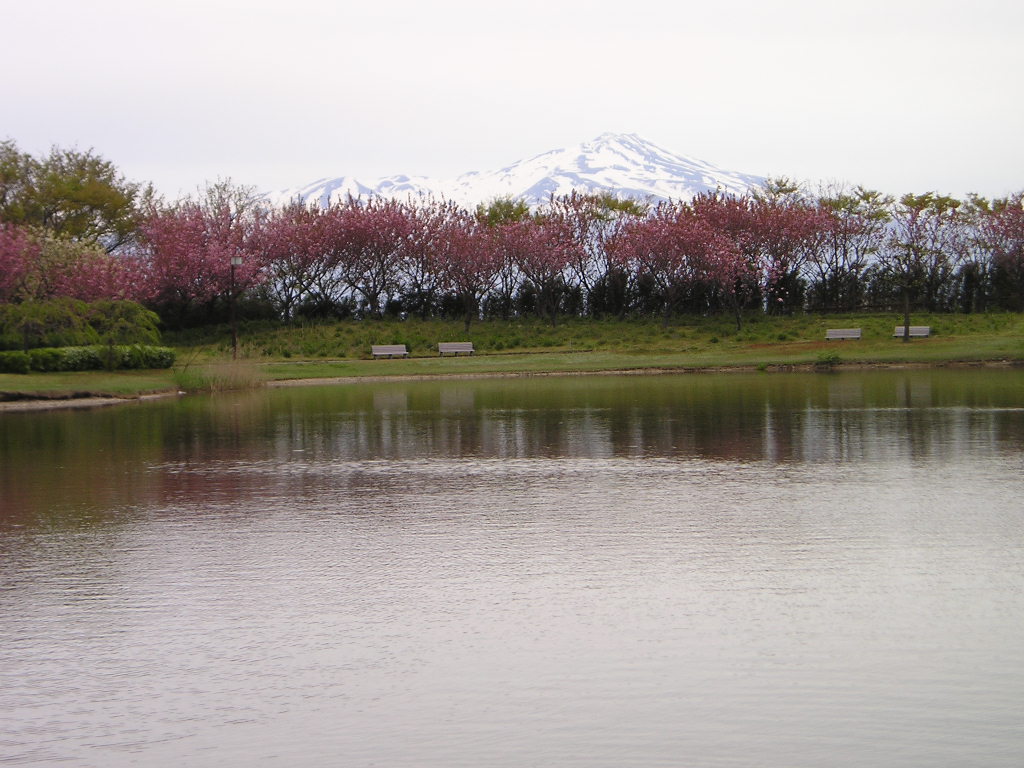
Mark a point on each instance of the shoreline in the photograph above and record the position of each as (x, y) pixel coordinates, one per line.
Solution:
(653, 371)
(79, 400)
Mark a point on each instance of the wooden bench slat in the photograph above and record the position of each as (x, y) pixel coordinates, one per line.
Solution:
(389, 350)
(915, 330)
(455, 347)
(842, 333)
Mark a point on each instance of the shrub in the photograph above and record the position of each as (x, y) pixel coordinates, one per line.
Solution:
(134, 357)
(69, 322)
(159, 357)
(138, 357)
(46, 359)
(14, 362)
(827, 360)
(81, 359)
(93, 358)
(123, 322)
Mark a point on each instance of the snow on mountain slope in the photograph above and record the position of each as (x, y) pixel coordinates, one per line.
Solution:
(623, 164)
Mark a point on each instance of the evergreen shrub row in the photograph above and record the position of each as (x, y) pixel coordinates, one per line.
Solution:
(92, 358)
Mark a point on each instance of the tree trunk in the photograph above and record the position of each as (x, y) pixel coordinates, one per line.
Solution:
(548, 303)
(906, 314)
(470, 305)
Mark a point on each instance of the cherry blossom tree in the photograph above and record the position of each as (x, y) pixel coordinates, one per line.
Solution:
(786, 234)
(592, 220)
(425, 252)
(468, 258)
(17, 251)
(189, 250)
(499, 212)
(85, 271)
(730, 216)
(366, 241)
(1000, 233)
(542, 249)
(37, 265)
(778, 232)
(686, 258)
(297, 259)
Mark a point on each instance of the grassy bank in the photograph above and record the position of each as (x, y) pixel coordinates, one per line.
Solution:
(271, 352)
(351, 340)
(82, 383)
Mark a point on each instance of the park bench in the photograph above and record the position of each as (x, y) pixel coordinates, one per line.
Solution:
(455, 348)
(920, 331)
(389, 350)
(842, 334)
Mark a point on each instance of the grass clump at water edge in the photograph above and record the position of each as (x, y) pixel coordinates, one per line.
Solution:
(219, 376)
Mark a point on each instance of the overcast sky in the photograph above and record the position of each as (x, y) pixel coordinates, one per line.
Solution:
(899, 95)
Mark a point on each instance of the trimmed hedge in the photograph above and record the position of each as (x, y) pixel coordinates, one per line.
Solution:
(46, 359)
(93, 358)
(14, 362)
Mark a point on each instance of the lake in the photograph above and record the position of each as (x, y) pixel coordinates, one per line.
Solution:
(697, 570)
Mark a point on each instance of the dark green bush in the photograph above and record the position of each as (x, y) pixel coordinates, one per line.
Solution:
(46, 359)
(55, 323)
(159, 357)
(134, 357)
(92, 358)
(140, 357)
(69, 322)
(123, 322)
(82, 359)
(14, 362)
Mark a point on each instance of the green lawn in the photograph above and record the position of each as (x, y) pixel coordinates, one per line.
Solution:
(273, 352)
(117, 384)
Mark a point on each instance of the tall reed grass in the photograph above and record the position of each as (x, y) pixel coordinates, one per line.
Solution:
(219, 376)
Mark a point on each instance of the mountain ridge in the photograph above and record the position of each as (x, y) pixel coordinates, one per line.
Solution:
(624, 165)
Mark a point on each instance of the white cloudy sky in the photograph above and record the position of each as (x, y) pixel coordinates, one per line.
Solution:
(901, 95)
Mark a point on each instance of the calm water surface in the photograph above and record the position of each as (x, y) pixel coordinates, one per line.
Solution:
(772, 570)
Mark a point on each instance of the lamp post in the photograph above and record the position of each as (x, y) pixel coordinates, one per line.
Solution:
(236, 261)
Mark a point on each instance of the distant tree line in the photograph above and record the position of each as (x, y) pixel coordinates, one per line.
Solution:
(72, 226)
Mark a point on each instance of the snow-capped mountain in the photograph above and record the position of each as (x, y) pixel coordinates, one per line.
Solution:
(623, 164)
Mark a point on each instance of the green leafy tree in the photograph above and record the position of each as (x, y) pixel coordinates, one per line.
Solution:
(16, 169)
(592, 221)
(73, 194)
(848, 248)
(779, 189)
(922, 249)
(502, 210)
(493, 215)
